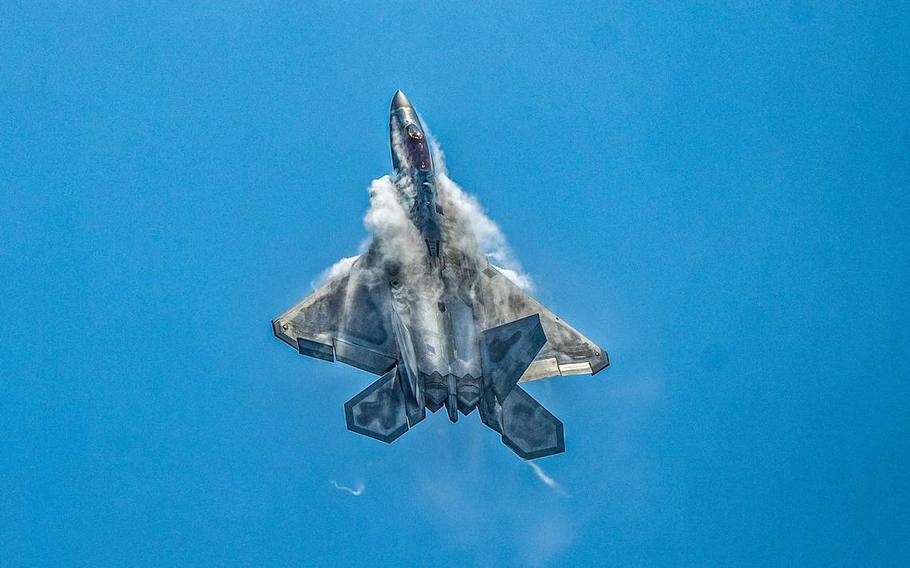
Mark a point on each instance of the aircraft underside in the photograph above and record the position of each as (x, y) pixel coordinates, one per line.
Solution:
(424, 310)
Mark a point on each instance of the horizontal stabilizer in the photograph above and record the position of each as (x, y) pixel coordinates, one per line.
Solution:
(530, 429)
(379, 410)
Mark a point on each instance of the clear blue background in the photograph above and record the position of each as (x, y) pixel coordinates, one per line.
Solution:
(716, 194)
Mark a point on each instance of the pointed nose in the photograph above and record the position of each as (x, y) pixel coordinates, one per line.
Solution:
(400, 101)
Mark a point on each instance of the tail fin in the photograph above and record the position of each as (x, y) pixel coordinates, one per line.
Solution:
(528, 428)
(507, 350)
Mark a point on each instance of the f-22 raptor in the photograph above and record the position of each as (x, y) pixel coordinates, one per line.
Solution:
(436, 321)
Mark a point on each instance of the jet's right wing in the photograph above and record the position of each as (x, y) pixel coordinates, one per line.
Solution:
(566, 352)
(348, 319)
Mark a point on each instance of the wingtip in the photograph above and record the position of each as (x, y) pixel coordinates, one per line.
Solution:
(603, 365)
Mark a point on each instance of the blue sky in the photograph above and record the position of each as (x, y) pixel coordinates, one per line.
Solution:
(717, 194)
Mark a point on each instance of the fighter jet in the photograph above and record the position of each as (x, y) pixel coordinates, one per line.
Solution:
(439, 324)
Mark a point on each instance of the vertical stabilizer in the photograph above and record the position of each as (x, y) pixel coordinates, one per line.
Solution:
(507, 350)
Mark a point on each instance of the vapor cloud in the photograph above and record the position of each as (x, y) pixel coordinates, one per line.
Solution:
(520, 279)
(476, 225)
(395, 238)
(355, 491)
(337, 270)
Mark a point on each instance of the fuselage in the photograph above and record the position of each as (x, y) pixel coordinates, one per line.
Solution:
(443, 326)
(412, 159)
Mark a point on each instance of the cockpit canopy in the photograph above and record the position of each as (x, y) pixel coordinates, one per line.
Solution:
(415, 132)
(418, 153)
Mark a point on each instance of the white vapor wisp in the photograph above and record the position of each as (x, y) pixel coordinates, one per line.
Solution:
(547, 480)
(356, 491)
(337, 270)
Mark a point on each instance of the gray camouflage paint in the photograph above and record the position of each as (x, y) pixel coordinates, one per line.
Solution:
(424, 309)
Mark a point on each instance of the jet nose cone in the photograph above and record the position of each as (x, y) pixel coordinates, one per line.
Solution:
(400, 101)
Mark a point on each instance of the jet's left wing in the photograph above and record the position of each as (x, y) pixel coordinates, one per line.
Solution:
(566, 352)
(348, 319)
